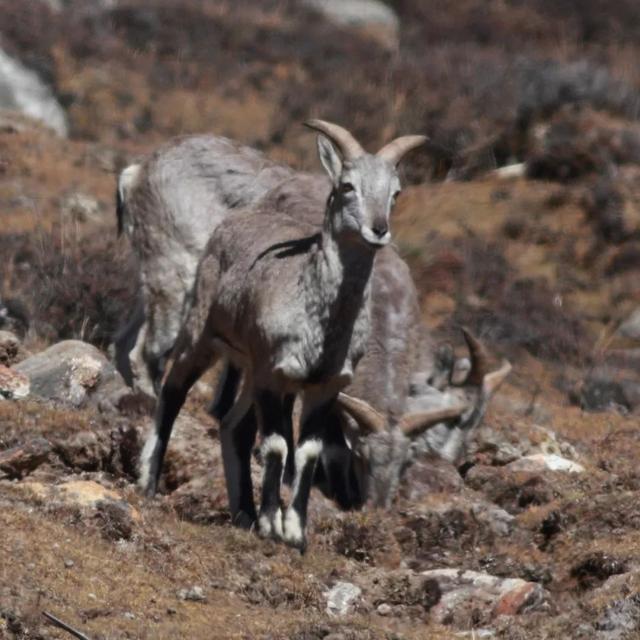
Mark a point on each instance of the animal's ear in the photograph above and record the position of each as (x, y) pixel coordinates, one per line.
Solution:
(493, 380)
(330, 158)
(412, 425)
(367, 418)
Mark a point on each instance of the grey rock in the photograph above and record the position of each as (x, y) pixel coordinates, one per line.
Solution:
(620, 619)
(341, 598)
(75, 373)
(498, 596)
(193, 594)
(498, 520)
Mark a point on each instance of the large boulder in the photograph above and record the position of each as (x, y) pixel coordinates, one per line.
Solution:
(374, 17)
(75, 373)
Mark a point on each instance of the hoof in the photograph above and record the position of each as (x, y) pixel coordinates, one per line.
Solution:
(243, 520)
(294, 534)
(270, 525)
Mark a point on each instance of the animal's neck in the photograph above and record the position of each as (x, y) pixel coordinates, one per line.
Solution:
(343, 270)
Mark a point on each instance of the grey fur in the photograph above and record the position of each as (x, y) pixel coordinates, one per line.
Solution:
(400, 356)
(169, 206)
(287, 304)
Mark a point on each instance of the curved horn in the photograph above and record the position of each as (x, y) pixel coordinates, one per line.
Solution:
(348, 146)
(480, 358)
(416, 423)
(362, 412)
(394, 151)
(494, 379)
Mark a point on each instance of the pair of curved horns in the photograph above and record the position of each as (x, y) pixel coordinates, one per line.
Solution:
(371, 421)
(481, 373)
(351, 149)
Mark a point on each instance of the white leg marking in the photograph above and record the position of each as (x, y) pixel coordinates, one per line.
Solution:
(145, 458)
(306, 454)
(293, 533)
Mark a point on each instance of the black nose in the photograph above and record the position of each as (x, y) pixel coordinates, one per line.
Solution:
(380, 230)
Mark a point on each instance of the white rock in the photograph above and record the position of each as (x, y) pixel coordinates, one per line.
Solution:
(540, 462)
(22, 90)
(341, 598)
(372, 14)
(511, 171)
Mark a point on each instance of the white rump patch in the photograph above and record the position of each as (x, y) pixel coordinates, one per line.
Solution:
(127, 180)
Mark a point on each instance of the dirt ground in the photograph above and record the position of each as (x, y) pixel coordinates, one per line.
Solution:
(543, 266)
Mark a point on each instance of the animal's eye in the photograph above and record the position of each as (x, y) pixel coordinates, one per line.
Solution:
(346, 187)
(394, 197)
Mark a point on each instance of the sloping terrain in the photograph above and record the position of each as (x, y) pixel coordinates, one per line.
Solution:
(521, 219)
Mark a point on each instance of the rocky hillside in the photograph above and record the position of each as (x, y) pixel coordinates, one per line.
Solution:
(521, 219)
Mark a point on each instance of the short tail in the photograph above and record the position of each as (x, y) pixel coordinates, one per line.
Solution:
(126, 182)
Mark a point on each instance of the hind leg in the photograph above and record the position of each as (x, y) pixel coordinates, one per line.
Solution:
(125, 340)
(237, 434)
(188, 365)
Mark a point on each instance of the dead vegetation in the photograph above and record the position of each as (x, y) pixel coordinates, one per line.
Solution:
(543, 267)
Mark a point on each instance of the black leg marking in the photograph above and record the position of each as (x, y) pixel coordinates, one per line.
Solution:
(290, 466)
(226, 392)
(237, 446)
(125, 340)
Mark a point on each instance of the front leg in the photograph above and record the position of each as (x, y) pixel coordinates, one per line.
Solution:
(270, 410)
(314, 419)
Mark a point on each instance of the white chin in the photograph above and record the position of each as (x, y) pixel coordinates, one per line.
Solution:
(373, 240)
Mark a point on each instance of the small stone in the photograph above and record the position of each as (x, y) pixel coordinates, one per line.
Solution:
(193, 594)
(10, 348)
(384, 609)
(18, 462)
(69, 564)
(515, 601)
(341, 598)
(128, 615)
(171, 611)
